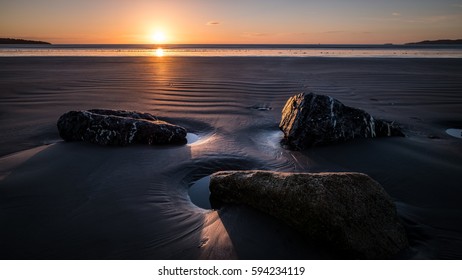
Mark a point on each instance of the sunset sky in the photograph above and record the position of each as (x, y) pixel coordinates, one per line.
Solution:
(237, 21)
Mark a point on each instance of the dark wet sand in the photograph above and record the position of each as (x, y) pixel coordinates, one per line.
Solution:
(80, 201)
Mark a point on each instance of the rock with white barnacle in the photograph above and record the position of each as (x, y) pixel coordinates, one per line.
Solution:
(118, 128)
(313, 120)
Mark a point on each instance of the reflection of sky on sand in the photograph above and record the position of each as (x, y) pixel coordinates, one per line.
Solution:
(196, 140)
(199, 193)
(202, 145)
(10, 162)
(215, 242)
(455, 132)
(191, 138)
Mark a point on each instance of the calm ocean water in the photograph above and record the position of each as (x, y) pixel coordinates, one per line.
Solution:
(398, 51)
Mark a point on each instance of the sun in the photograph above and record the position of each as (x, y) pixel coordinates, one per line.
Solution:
(158, 37)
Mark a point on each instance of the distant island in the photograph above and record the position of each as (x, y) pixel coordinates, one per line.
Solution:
(21, 41)
(438, 42)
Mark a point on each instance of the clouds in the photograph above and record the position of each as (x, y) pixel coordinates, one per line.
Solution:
(213, 22)
(333, 32)
(256, 34)
(429, 19)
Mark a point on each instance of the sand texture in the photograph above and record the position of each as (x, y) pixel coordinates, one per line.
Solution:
(76, 200)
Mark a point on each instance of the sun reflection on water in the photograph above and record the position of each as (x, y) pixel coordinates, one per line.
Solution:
(159, 52)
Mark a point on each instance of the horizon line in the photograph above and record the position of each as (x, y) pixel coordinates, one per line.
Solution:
(232, 44)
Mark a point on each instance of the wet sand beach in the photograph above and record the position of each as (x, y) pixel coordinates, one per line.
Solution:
(61, 200)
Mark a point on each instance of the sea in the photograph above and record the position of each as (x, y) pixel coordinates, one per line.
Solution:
(235, 50)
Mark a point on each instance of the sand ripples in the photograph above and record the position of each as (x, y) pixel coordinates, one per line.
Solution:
(231, 107)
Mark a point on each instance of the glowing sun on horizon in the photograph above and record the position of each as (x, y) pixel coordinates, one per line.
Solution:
(158, 37)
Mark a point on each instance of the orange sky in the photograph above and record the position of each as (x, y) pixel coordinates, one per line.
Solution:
(238, 21)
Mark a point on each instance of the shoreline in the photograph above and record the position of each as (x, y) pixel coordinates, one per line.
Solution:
(233, 50)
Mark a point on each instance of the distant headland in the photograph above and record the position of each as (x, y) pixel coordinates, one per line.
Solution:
(21, 41)
(438, 42)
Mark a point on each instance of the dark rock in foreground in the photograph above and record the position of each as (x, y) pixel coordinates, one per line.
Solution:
(118, 127)
(312, 120)
(348, 211)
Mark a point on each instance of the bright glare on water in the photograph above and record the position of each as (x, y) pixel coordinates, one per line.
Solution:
(396, 51)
